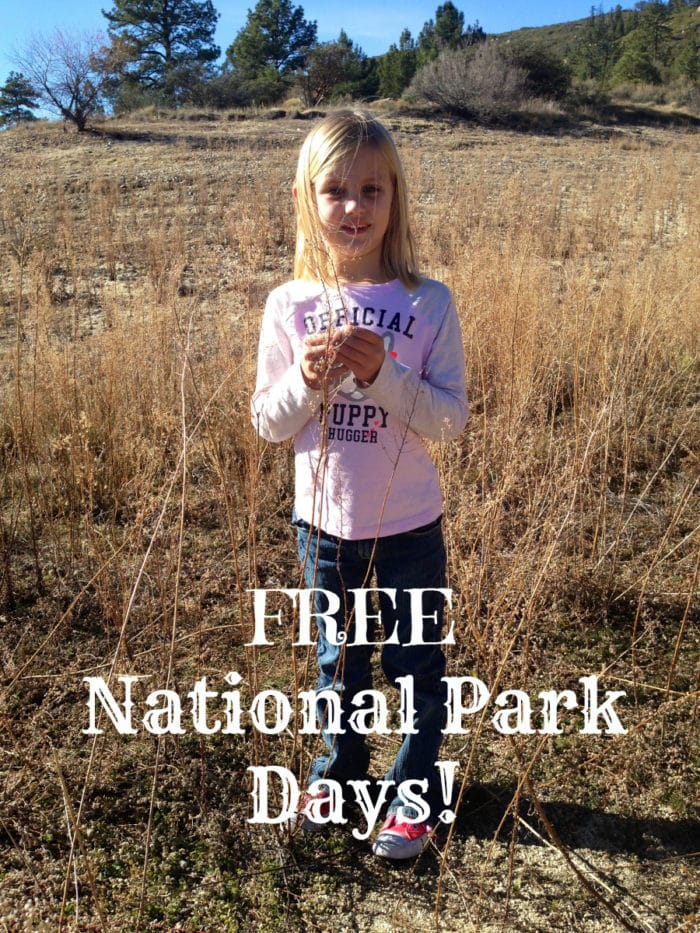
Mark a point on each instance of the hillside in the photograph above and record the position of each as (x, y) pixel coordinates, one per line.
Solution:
(563, 39)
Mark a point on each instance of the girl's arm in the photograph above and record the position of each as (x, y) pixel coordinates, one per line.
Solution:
(433, 402)
(282, 402)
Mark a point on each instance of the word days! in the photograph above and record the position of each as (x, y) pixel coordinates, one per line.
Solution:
(285, 797)
(271, 712)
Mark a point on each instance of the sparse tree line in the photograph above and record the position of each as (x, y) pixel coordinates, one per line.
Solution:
(163, 53)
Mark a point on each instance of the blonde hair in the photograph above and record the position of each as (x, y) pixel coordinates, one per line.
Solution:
(334, 139)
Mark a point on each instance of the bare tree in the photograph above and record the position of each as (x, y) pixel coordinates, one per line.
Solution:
(65, 68)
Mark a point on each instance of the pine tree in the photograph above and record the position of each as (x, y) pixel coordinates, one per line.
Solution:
(274, 40)
(161, 48)
(687, 63)
(636, 64)
(17, 100)
(396, 67)
(646, 49)
(446, 31)
(597, 47)
(618, 23)
(449, 26)
(655, 29)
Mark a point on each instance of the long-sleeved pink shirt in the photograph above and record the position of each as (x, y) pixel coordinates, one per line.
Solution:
(362, 468)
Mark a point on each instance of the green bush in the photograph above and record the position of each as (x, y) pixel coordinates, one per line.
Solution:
(548, 76)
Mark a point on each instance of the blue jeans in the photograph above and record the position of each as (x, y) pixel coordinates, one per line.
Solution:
(413, 559)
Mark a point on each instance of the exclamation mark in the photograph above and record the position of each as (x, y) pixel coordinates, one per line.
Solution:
(447, 771)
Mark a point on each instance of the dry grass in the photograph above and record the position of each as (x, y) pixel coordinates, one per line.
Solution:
(138, 507)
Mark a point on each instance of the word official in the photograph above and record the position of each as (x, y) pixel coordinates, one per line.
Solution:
(359, 317)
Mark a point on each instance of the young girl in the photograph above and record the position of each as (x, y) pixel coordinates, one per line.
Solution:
(360, 360)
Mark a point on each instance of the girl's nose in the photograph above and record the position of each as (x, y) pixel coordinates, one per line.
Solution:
(351, 205)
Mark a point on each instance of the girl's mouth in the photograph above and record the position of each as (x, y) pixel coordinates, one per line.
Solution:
(355, 229)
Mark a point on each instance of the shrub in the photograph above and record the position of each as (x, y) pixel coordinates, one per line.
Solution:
(234, 90)
(640, 93)
(472, 82)
(688, 96)
(548, 76)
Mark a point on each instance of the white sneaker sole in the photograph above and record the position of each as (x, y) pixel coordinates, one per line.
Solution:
(394, 846)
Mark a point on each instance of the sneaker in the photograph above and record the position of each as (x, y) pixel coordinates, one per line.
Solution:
(398, 839)
(311, 808)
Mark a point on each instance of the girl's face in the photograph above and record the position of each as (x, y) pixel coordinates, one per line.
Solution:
(353, 200)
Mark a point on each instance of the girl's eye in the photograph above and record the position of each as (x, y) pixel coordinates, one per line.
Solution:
(335, 191)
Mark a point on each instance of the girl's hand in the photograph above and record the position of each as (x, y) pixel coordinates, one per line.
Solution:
(360, 350)
(319, 361)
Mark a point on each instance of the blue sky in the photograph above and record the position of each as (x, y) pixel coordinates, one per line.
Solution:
(370, 24)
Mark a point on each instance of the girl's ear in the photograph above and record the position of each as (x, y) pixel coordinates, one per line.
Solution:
(295, 194)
